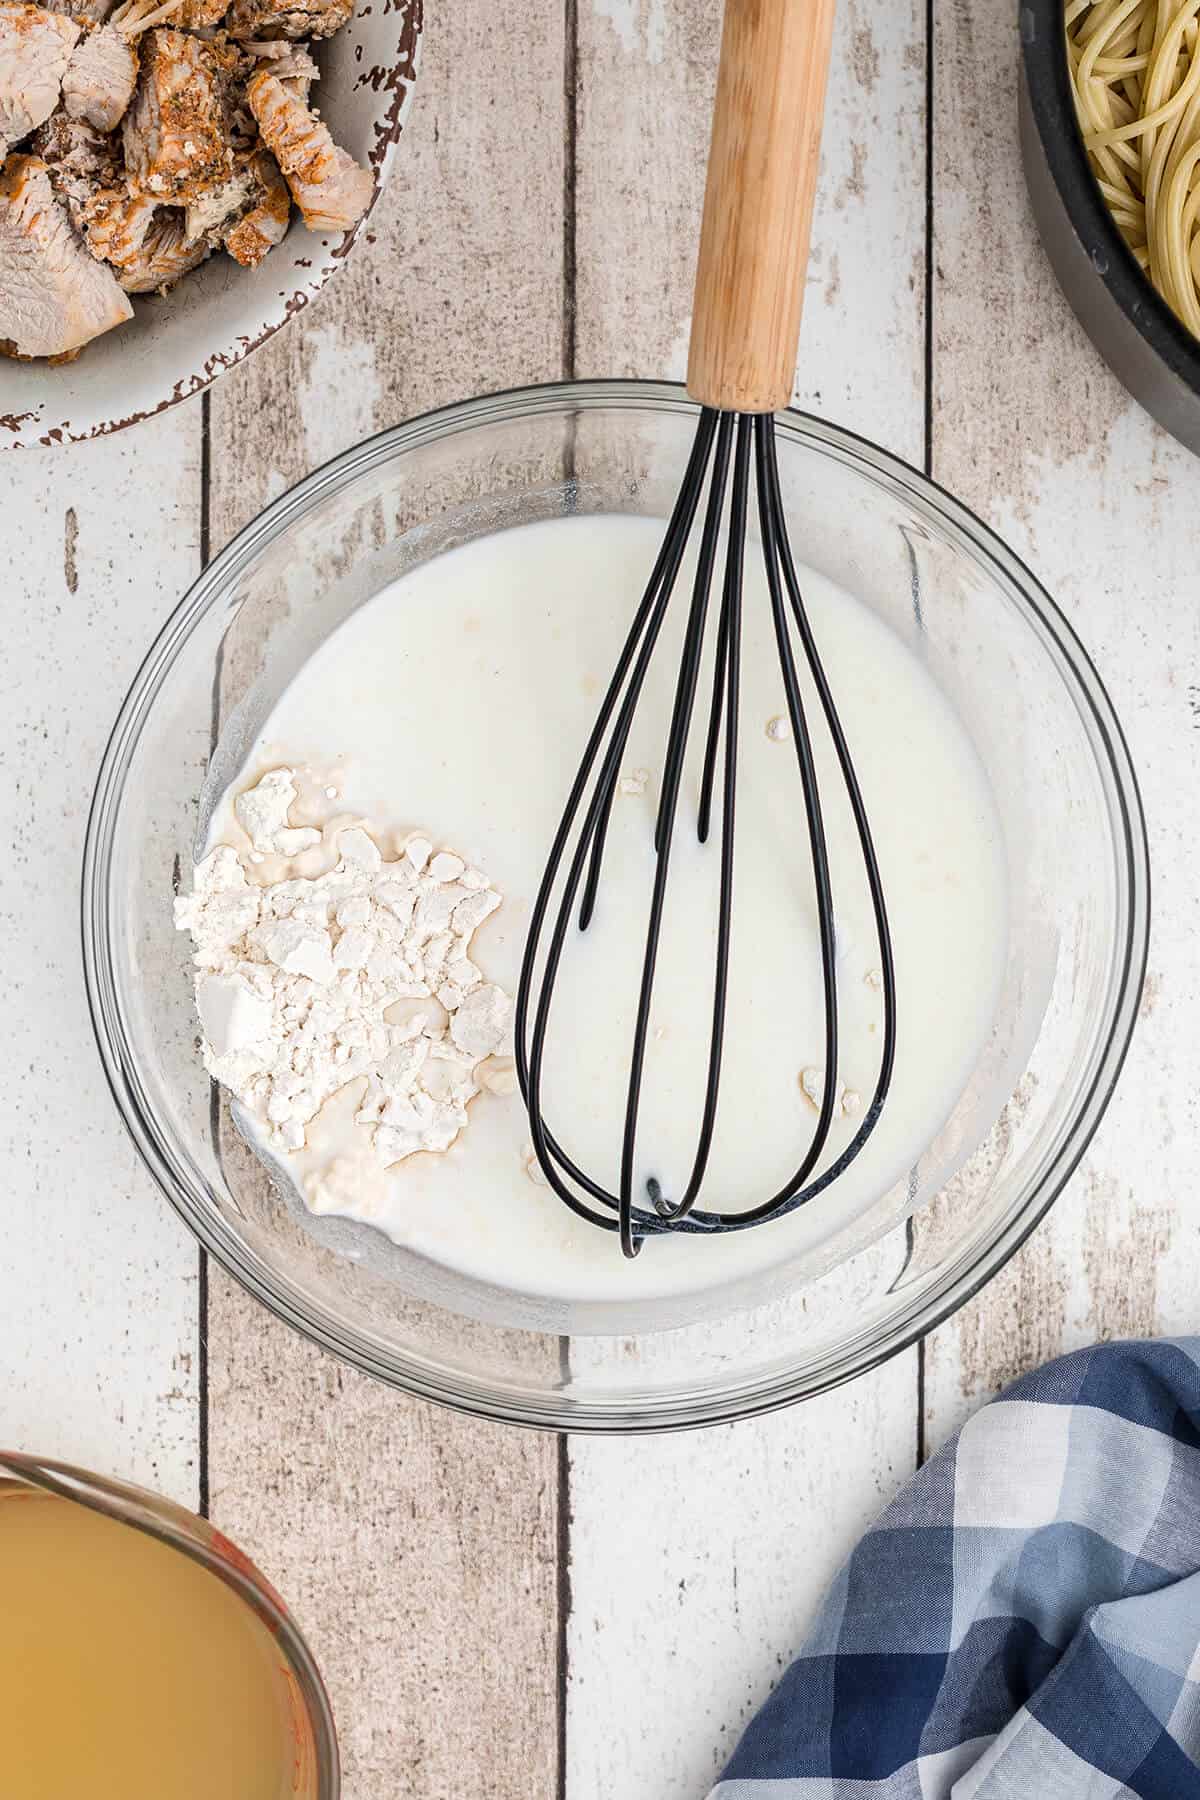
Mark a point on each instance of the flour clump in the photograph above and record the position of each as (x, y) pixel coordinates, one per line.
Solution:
(359, 973)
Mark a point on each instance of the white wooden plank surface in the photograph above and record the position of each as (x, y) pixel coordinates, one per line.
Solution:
(1031, 429)
(98, 1324)
(646, 75)
(696, 1565)
(696, 1562)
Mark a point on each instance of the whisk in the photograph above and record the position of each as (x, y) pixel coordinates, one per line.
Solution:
(758, 203)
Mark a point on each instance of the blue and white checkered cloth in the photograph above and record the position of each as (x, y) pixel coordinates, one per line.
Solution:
(1023, 1623)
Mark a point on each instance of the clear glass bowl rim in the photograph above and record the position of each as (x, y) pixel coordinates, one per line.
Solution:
(963, 1278)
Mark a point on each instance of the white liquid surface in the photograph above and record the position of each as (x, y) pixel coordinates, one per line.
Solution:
(458, 702)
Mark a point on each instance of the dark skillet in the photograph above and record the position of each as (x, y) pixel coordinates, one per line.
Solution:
(1135, 331)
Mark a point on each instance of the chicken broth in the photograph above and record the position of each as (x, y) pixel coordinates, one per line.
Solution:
(127, 1670)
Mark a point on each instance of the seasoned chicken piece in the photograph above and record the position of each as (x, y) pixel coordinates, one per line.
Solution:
(35, 48)
(288, 18)
(175, 132)
(115, 223)
(189, 15)
(146, 243)
(328, 186)
(297, 65)
(133, 17)
(211, 208)
(79, 159)
(265, 51)
(54, 297)
(165, 255)
(88, 12)
(266, 223)
(288, 62)
(100, 78)
(233, 67)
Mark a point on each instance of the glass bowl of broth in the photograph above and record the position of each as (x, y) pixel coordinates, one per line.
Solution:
(143, 1656)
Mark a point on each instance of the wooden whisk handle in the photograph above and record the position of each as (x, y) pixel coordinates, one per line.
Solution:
(758, 202)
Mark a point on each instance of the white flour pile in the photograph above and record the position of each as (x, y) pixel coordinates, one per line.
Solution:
(358, 972)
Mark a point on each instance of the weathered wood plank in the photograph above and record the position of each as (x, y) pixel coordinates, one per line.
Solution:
(98, 1310)
(696, 1562)
(646, 75)
(457, 290)
(416, 1547)
(1032, 430)
(419, 1548)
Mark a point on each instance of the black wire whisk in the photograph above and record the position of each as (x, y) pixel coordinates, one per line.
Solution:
(758, 204)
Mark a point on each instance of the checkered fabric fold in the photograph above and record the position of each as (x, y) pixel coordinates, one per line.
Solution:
(1023, 1623)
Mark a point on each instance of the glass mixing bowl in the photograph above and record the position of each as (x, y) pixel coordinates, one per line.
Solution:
(849, 1296)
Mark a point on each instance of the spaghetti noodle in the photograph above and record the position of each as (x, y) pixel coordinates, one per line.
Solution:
(1135, 73)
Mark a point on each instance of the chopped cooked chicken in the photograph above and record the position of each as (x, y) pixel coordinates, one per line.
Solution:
(175, 132)
(269, 50)
(88, 12)
(35, 48)
(266, 223)
(54, 297)
(115, 224)
(100, 78)
(79, 159)
(165, 255)
(328, 186)
(288, 62)
(233, 67)
(288, 18)
(188, 15)
(162, 130)
(193, 15)
(133, 17)
(215, 206)
(146, 244)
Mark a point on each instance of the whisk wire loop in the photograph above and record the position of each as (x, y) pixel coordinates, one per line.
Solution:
(664, 831)
(726, 678)
(557, 1166)
(654, 607)
(770, 523)
(726, 683)
(858, 807)
(726, 441)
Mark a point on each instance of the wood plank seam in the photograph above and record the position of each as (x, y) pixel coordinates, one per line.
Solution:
(214, 1099)
(922, 1447)
(570, 249)
(562, 1589)
(562, 1583)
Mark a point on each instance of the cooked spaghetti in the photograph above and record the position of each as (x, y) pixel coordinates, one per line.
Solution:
(1135, 71)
